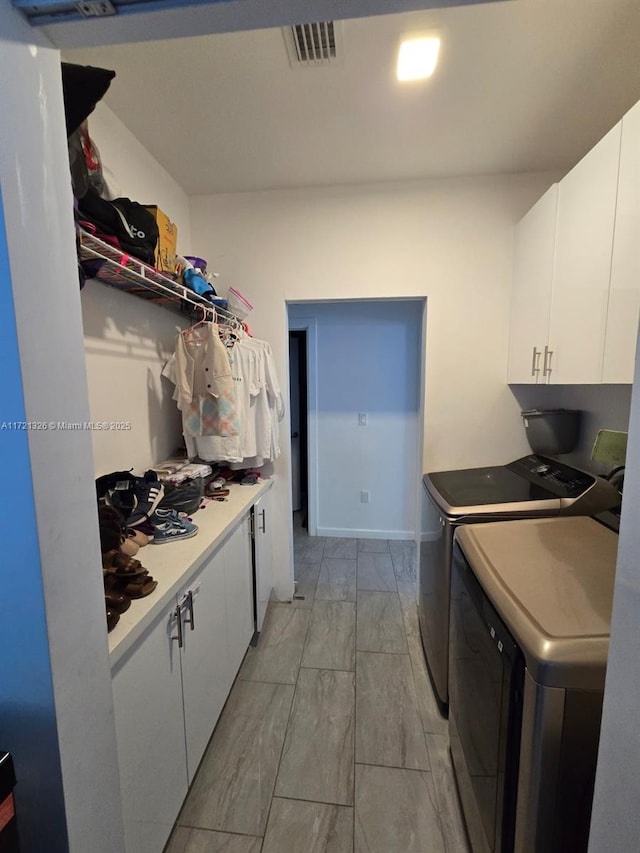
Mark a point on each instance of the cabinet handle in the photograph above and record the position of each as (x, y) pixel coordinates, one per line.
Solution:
(178, 618)
(263, 513)
(535, 361)
(548, 355)
(190, 621)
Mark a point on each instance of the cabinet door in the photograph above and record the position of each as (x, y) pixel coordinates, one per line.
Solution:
(205, 681)
(531, 293)
(263, 558)
(239, 595)
(624, 293)
(584, 242)
(147, 701)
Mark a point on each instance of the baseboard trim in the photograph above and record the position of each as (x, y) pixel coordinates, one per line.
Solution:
(342, 533)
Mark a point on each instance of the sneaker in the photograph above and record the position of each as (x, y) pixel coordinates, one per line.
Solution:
(148, 495)
(168, 526)
(174, 516)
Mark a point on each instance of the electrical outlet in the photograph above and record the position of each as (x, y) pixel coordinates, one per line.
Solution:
(364, 496)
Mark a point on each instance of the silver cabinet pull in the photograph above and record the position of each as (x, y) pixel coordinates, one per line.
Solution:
(548, 355)
(178, 617)
(263, 513)
(535, 361)
(190, 619)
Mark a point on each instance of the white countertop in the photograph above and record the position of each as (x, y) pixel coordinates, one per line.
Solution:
(172, 564)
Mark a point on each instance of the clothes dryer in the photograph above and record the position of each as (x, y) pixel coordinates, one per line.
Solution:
(526, 488)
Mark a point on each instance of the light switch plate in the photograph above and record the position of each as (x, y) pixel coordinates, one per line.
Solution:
(610, 447)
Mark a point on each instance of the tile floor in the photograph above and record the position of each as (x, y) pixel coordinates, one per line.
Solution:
(330, 741)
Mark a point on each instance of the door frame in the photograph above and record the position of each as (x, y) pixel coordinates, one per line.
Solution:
(310, 327)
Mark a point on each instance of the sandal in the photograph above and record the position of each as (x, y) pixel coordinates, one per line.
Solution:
(138, 537)
(117, 601)
(139, 588)
(126, 565)
(112, 619)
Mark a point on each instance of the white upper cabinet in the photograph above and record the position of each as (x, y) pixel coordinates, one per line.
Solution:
(624, 293)
(582, 267)
(531, 294)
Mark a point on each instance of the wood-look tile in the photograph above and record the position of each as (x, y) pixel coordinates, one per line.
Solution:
(296, 826)
(451, 821)
(388, 726)
(187, 840)
(432, 721)
(395, 812)
(331, 638)
(409, 607)
(277, 656)
(375, 572)
(337, 580)
(308, 549)
(373, 546)
(404, 560)
(335, 548)
(317, 759)
(306, 575)
(379, 626)
(234, 784)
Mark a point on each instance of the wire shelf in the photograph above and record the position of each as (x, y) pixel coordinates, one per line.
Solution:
(117, 269)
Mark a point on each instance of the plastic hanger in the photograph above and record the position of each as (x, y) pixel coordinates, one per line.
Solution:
(191, 332)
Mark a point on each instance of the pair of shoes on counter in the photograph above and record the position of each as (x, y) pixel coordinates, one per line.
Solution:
(124, 579)
(170, 526)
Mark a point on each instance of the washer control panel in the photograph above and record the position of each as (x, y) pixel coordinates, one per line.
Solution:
(562, 480)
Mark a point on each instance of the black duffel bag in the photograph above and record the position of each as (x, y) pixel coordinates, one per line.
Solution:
(130, 222)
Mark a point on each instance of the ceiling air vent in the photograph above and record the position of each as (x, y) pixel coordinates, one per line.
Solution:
(313, 44)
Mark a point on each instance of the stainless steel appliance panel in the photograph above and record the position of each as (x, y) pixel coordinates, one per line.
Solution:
(436, 539)
(486, 674)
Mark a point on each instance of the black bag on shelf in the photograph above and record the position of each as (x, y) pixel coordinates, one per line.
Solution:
(130, 222)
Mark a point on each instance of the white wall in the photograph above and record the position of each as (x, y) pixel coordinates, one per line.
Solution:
(602, 407)
(56, 712)
(127, 341)
(367, 360)
(448, 240)
(615, 819)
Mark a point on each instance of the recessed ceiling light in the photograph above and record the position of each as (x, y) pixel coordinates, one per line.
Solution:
(417, 57)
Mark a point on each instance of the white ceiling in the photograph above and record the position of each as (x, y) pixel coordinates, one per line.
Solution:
(522, 86)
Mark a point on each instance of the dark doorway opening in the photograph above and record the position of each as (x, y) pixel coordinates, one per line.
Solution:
(298, 401)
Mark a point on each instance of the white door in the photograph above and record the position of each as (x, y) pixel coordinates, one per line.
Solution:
(147, 705)
(205, 675)
(584, 243)
(263, 558)
(238, 569)
(624, 293)
(531, 289)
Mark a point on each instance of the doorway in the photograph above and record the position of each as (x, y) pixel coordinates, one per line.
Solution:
(356, 437)
(299, 426)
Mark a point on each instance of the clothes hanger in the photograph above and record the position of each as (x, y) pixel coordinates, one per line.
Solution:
(189, 333)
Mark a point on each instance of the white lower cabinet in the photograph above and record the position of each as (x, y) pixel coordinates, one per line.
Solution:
(205, 674)
(263, 556)
(147, 701)
(239, 595)
(169, 690)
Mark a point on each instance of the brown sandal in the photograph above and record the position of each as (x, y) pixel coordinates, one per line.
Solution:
(139, 588)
